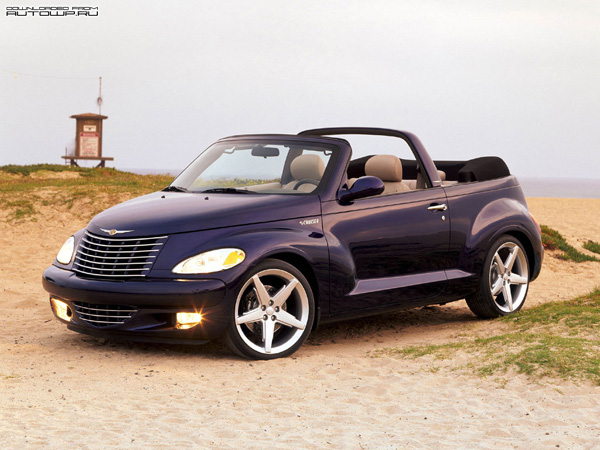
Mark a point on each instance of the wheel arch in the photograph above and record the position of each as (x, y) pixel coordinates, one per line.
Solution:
(516, 232)
(504, 216)
(302, 264)
(526, 242)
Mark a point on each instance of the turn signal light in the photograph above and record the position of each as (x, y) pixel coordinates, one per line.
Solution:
(537, 225)
(187, 320)
(61, 309)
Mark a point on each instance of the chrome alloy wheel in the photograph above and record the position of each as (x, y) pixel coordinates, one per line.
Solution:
(271, 311)
(509, 277)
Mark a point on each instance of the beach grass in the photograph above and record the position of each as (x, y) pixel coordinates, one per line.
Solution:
(25, 189)
(557, 340)
(95, 177)
(592, 246)
(553, 240)
(29, 169)
(21, 208)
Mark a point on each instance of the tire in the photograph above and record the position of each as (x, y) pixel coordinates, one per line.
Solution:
(273, 313)
(504, 281)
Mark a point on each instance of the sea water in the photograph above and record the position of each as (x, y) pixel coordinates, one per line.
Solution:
(560, 187)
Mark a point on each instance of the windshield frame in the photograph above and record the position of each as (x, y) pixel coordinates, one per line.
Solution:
(329, 144)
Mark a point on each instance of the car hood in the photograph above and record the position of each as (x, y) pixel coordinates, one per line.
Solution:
(178, 212)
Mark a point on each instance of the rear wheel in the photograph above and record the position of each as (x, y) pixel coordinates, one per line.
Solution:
(273, 313)
(504, 282)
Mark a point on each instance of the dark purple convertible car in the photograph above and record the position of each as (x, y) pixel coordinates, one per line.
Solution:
(263, 237)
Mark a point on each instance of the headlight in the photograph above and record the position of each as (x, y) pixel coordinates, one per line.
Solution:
(65, 254)
(209, 262)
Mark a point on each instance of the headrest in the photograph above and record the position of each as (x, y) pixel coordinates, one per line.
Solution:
(384, 167)
(307, 166)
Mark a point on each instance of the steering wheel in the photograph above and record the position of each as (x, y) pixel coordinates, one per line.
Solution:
(305, 181)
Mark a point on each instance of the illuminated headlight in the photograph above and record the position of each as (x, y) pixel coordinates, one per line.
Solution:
(65, 254)
(61, 309)
(188, 320)
(212, 261)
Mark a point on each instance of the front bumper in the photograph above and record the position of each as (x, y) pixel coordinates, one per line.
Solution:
(157, 301)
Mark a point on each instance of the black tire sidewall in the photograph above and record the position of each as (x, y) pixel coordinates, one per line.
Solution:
(232, 337)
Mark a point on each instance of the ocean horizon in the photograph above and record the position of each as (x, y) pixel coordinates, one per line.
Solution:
(532, 186)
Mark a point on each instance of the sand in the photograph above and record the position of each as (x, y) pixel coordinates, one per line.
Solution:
(59, 389)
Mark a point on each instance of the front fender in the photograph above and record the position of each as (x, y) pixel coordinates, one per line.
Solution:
(301, 238)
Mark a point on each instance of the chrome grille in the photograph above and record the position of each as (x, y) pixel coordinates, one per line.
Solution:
(104, 315)
(116, 258)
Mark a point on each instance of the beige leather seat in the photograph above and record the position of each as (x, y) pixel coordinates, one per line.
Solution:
(419, 183)
(306, 167)
(388, 169)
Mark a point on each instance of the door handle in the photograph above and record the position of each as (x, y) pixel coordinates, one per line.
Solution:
(436, 207)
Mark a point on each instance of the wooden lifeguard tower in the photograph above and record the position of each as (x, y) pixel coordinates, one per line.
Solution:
(88, 139)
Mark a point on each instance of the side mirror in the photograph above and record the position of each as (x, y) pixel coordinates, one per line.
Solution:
(363, 187)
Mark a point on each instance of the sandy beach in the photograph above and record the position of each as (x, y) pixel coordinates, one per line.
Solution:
(60, 389)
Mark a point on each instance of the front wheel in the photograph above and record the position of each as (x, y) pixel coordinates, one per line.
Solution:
(504, 281)
(273, 313)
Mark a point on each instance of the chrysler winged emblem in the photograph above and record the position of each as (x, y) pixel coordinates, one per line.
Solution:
(113, 231)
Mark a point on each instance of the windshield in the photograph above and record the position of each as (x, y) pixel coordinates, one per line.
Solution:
(265, 167)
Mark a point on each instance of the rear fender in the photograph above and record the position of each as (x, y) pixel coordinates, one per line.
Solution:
(497, 218)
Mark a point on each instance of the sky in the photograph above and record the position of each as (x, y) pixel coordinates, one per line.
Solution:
(515, 79)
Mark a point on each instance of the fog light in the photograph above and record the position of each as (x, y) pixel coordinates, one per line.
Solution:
(61, 309)
(187, 320)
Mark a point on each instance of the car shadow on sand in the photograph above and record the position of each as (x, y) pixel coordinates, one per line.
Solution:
(363, 329)
(406, 321)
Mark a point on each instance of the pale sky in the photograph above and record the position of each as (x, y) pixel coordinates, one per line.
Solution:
(516, 79)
